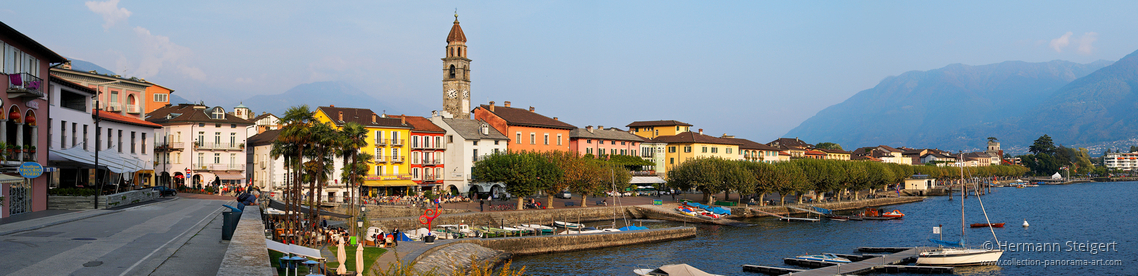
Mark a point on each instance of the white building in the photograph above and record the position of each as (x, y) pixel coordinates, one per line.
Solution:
(200, 144)
(267, 173)
(1126, 161)
(262, 123)
(466, 142)
(125, 150)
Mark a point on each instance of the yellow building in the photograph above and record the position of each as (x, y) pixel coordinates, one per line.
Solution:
(836, 154)
(690, 145)
(389, 169)
(653, 129)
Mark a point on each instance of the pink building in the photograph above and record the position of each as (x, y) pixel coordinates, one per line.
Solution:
(600, 141)
(25, 71)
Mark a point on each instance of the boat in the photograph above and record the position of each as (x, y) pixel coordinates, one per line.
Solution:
(633, 228)
(568, 225)
(535, 227)
(685, 211)
(956, 254)
(876, 214)
(672, 270)
(824, 257)
(996, 225)
(894, 214)
(455, 231)
(708, 215)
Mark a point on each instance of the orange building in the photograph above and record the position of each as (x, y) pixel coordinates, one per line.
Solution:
(156, 96)
(527, 130)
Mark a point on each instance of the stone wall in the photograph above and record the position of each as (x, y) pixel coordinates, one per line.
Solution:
(247, 253)
(496, 219)
(108, 201)
(836, 206)
(389, 211)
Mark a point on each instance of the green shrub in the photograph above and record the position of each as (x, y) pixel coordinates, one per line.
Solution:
(71, 192)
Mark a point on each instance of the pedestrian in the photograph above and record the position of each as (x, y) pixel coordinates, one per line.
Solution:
(481, 203)
(396, 239)
(673, 192)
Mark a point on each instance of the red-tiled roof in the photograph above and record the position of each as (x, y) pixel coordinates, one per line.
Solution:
(657, 123)
(814, 152)
(72, 84)
(421, 124)
(692, 137)
(522, 117)
(748, 144)
(111, 116)
(362, 116)
(456, 33)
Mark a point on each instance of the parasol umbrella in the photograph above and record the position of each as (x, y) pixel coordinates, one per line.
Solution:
(342, 257)
(360, 258)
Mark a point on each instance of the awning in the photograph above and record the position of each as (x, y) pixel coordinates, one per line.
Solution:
(78, 155)
(10, 179)
(303, 209)
(646, 180)
(389, 183)
(292, 248)
(230, 176)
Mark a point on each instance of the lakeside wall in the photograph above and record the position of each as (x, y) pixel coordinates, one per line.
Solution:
(55, 202)
(496, 219)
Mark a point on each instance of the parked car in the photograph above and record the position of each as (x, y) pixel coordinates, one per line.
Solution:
(165, 191)
(564, 194)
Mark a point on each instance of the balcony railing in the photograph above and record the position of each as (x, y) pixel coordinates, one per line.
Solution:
(25, 85)
(644, 173)
(396, 159)
(419, 146)
(221, 167)
(432, 162)
(440, 146)
(132, 108)
(397, 142)
(164, 146)
(220, 146)
(114, 106)
(430, 178)
(380, 159)
(380, 142)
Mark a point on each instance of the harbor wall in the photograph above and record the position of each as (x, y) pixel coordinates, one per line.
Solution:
(836, 206)
(496, 219)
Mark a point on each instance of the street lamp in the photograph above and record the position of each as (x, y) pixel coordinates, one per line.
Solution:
(98, 184)
(360, 223)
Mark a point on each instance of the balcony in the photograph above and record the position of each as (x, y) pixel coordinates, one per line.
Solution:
(132, 108)
(432, 162)
(221, 167)
(430, 178)
(397, 142)
(261, 164)
(220, 146)
(165, 146)
(380, 142)
(114, 106)
(396, 159)
(644, 173)
(419, 146)
(380, 159)
(24, 85)
(440, 146)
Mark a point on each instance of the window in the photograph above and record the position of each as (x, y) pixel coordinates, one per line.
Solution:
(160, 97)
(414, 157)
(144, 143)
(217, 158)
(546, 139)
(558, 139)
(613, 142)
(533, 138)
(728, 150)
(394, 153)
(201, 137)
(378, 137)
(672, 161)
(623, 152)
(217, 138)
(201, 158)
(415, 141)
(438, 141)
(687, 149)
(588, 141)
(120, 141)
(671, 149)
(84, 136)
(714, 149)
(395, 137)
(450, 139)
(379, 170)
(415, 173)
(621, 143)
(475, 155)
(232, 160)
(518, 140)
(132, 144)
(704, 149)
(177, 158)
(63, 135)
(588, 150)
(495, 142)
(73, 125)
(475, 142)
(452, 71)
(232, 139)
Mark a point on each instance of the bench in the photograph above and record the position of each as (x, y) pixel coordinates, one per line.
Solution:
(601, 202)
(570, 203)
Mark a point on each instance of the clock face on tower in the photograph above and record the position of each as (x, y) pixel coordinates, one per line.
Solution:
(465, 94)
(452, 94)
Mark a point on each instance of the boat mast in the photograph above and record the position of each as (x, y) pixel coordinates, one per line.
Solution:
(963, 190)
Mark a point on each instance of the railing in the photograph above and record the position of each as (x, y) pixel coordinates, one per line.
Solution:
(114, 106)
(396, 159)
(26, 84)
(397, 142)
(220, 146)
(221, 167)
(166, 145)
(380, 142)
(430, 178)
(419, 146)
(440, 146)
(644, 173)
(432, 162)
(132, 108)
(380, 159)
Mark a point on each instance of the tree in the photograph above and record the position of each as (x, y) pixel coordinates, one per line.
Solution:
(829, 146)
(293, 139)
(352, 138)
(1043, 145)
(992, 139)
(787, 178)
(573, 169)
(523, 173)
(701, 174)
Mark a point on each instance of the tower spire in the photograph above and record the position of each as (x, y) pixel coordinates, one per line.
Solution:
(456, 15)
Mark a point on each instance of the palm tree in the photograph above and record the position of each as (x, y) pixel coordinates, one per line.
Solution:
(295, 135)
(352, 138)
(323, 138)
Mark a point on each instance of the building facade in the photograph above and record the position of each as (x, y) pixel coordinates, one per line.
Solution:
(428, 152)
(199, 146)
(691, 145)
(468, 141)
(456, 74)
(1124, 161)
(601, 141)
(387, 141)
(25, 67)
(528, 130)
(653, 129)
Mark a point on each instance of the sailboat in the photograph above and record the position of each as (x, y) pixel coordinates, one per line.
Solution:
(956, 254)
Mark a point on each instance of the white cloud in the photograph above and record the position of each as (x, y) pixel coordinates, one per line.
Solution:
(1059, 43)
(1086, 43)
(158, 51)
(110, 11)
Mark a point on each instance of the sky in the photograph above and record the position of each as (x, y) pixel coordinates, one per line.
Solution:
(754, 69)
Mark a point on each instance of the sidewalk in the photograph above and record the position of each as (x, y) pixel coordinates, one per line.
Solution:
(36, 220)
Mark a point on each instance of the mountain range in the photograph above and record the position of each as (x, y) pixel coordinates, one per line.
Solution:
(959, 106)
(328, 93)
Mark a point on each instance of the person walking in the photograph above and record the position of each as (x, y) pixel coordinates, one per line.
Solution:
(481, 203)
(396, 239)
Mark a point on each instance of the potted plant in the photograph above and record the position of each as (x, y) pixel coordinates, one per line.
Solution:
(3, 151)
(30, 149)
(17, 149)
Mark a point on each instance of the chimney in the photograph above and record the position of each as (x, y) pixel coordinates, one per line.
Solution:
(491, 106)
(373, 119)
(341, 114)
(67, 65)
(727, 136)
(507, 103)
(531, 109)
(589, 128)
(701, 131)
(331, 105)
(600, 127)
(403, 119)
(434, 113)
(555, 119)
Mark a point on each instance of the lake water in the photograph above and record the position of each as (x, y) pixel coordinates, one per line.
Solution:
(1061, 217)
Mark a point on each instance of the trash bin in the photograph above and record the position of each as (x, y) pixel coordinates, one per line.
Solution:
(229, 224)
(429, 239)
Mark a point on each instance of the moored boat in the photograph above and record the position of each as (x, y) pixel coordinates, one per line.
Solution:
(894, 214)
(569, 225)
(996, 225)
(672, 270)
(824, 257)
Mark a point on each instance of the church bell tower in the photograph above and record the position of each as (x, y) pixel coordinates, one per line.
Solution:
(456, 74)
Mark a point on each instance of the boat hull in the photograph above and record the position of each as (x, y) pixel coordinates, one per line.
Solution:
(996, 225)
(960, 257)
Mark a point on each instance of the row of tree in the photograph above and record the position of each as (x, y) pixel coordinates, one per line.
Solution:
(308, 147)
(527, 173)
(714, 175)
(1046, 159)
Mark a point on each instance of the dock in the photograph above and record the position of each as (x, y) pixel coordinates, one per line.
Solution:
(888, 263)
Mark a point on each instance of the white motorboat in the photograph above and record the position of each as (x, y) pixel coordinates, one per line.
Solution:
(959, 257)
(569, 225)
(672, 270)
(824, 257)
